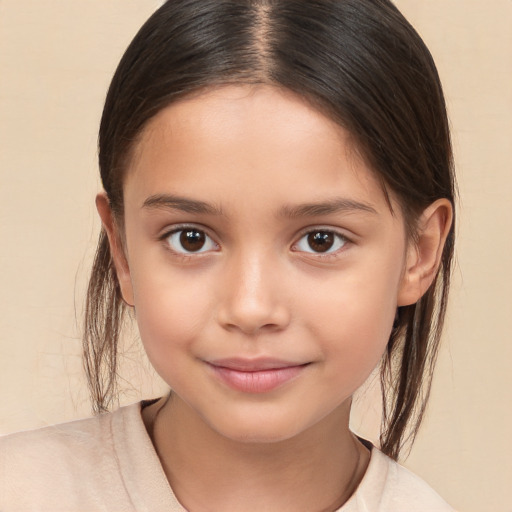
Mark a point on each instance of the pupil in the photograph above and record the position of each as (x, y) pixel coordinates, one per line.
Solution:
(192, 240)
(321, 241)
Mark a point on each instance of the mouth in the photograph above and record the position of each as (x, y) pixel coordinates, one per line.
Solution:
(256, 375)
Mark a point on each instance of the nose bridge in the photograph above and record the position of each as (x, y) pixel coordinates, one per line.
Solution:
(254, 271)
(253, 297)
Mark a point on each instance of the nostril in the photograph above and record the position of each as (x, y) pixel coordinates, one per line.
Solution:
(251, 321)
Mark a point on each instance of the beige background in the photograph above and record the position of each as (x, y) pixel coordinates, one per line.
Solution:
(56, 59)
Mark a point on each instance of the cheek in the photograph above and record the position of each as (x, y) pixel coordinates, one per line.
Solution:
(171, 311)
(353, 315)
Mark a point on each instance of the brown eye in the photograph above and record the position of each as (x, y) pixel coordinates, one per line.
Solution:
(190, 240)
(321, 241)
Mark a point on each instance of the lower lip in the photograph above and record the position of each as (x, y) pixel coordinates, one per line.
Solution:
(261, 381)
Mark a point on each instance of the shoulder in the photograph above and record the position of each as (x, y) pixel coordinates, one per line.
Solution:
(389, 487)
(405, 489)
(54, 466)
(67, 442)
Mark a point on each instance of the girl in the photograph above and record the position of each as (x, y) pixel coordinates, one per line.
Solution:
(278, 216)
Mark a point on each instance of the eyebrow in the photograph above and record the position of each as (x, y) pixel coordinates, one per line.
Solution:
(331, 206)
(172, 202)
(336, 205)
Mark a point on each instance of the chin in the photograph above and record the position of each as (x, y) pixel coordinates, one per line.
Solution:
(259, 430)
(259, 436)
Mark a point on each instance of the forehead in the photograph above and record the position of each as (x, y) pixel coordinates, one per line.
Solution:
(252, 140)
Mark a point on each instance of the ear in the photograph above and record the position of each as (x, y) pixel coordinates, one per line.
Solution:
(116, 247)
(424, 254)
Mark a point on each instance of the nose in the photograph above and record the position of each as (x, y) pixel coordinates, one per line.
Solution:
(253, 298)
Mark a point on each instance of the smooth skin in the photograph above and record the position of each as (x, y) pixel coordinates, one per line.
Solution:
(292, 255)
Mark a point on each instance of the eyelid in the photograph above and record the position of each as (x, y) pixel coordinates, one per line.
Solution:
(173, 228)
(176, 228)
(315, 229)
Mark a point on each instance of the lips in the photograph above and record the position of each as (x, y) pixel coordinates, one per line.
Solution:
(255, 375)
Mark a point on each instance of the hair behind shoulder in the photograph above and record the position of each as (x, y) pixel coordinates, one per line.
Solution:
(359, 62)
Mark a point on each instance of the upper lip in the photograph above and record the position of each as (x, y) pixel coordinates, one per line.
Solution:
(253, 365)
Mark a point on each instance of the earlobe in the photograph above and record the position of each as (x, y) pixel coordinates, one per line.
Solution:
(116, 247)
(424, 254)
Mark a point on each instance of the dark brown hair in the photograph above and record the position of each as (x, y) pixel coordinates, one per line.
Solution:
(359, 62)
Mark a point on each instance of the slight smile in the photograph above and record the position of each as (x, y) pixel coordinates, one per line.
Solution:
(255, 375)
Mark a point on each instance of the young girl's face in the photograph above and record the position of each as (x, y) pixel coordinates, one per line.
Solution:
(262, 258)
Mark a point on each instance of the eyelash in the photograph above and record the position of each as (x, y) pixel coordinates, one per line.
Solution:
(183, 228)
(339, 238)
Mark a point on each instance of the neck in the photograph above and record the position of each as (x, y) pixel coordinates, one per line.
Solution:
(317, 470)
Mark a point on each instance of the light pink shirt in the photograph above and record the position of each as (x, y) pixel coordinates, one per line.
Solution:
(108, 463)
